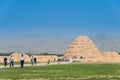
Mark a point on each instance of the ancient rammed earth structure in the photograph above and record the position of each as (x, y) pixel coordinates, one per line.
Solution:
(17, 56)
(84, 50)
(46, 58)
(111, 57)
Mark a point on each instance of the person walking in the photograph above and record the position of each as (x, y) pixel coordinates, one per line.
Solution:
(32, 61)
(11, 61)
(21, 61)
(5, 61)
(35, 60)
(48, 61)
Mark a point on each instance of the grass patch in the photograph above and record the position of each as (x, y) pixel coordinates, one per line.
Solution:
(64, 72)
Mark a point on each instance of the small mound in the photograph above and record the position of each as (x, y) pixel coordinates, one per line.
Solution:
(111, 56)
(17, 56)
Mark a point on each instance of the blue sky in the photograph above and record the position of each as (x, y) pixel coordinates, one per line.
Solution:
(59, 17)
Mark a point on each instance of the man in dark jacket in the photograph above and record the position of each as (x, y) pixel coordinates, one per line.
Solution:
(5, 61)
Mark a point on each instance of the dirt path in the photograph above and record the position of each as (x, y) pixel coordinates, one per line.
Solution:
(38, 64)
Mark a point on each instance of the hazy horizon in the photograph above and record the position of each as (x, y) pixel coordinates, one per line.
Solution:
(33, 25)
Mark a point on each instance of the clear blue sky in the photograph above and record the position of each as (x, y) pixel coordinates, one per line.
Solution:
(62, 17)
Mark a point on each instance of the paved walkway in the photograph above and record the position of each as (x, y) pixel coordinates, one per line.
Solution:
(38, 64)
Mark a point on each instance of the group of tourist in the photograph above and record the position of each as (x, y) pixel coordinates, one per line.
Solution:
(12, 61)
(33, 60)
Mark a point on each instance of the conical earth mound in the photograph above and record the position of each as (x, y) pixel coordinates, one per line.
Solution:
(83, 47)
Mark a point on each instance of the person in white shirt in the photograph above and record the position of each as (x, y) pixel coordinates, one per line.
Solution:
(32, 61)
(11, 61)
(22, 61)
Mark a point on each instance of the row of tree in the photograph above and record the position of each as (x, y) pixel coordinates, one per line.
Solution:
(7, 54)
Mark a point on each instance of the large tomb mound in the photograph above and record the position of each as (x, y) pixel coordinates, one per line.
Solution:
(83, 48)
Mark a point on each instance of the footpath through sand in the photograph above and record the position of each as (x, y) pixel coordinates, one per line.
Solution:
(38, 64)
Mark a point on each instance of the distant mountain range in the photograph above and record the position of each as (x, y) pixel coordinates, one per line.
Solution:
(57, 44)
(106, 43)
(36, 44)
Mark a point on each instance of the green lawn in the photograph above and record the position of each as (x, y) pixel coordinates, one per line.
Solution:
(64, 72)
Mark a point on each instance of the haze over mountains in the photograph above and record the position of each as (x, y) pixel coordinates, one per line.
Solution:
(56, 44)
(106, 43)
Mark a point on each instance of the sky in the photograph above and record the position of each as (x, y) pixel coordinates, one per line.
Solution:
(21, 19)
